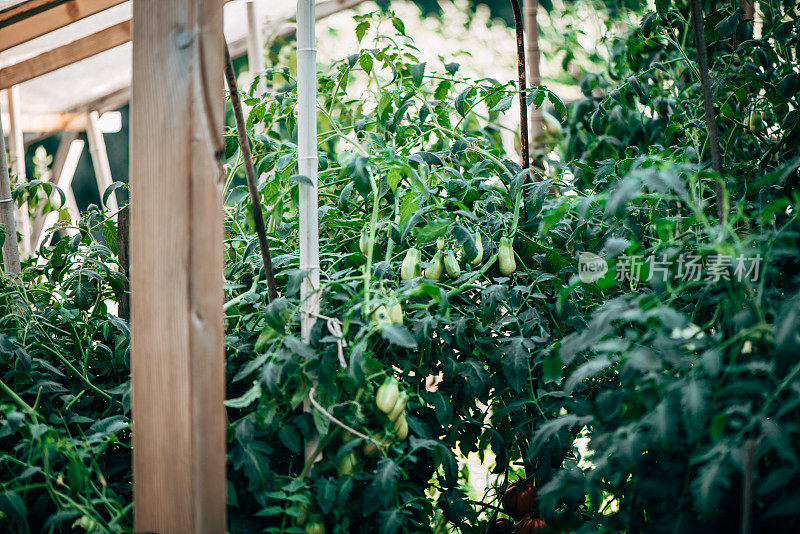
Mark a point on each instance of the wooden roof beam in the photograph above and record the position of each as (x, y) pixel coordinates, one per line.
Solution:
(50, 122)
(64, 55)
(34, 18)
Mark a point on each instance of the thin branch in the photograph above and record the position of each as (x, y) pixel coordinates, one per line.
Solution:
(523, 104)
(332, 419)
(708, 102)
(250, 173)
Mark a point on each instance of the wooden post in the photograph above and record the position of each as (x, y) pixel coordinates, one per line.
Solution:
(177, 323)
(17, 153)
(102, 169)
(10, 251)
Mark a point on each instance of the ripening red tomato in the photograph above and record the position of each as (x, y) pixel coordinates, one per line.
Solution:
(519, 499)
(529, 525)
(501, 525)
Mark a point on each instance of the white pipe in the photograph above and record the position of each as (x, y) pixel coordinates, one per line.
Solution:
(307, 162)
(65, 184)
(102, 168)
(255, 53)
(255, 45)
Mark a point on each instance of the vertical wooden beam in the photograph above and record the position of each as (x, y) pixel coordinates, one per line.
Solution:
(177, 323)
(531, 9)
(102, 168)
(17, 153)
(10, 250)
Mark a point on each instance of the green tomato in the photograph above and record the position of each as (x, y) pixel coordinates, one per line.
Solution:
(434, 272)
(347, 464)
(756, 122)
(86, 523)
(387, 395)
(410, 268)
(371, 450)
(399, 406)
(451, 264)
(506, 257)
(363, 242)
(381, 315)
(401, 427)
(479, 250)
(396, 313)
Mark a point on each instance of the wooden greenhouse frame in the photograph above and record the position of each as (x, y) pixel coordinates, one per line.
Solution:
(176, 221)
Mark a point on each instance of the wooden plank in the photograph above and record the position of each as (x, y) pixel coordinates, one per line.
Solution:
(102, 168)
(67, 54)
(17, 153)
(51, 122)
(176, 252)
(10, 251)
(38, 17)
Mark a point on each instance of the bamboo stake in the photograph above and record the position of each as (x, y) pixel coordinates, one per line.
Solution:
(250, 173)
(523, 104)
(10, 250)
(708, 102)
(531, 8)
(307, 163)
(17, 153)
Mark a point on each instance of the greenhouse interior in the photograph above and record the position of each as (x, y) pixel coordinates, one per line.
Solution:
(399, 266)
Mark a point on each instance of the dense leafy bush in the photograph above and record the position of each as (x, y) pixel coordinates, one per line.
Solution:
(639, 398)
(65, 430)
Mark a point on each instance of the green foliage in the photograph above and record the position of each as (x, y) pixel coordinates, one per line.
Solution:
(64, 407)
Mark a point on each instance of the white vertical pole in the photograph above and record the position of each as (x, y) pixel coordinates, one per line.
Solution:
(10, 250)
(307, 156)
(64, 182)
(17, 152)
(255, 44)
(102, 169)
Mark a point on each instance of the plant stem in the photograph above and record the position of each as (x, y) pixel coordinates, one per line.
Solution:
(250, 173)
(708, 102)
(16, 398)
